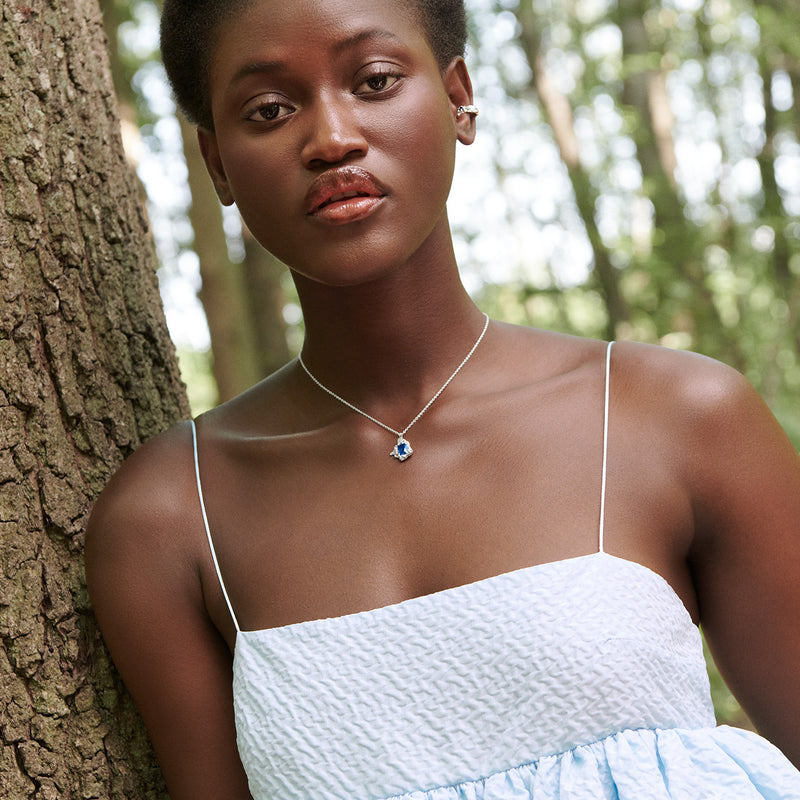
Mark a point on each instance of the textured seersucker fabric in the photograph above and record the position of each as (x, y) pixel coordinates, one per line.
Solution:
(577, 679)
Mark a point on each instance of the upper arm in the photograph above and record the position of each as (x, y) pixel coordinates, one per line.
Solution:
(745, 478)
(144, 580)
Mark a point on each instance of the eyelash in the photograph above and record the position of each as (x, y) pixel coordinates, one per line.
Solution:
(383, 74)
(251, 113)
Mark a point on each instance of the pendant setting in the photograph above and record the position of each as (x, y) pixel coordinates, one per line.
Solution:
(402, 450)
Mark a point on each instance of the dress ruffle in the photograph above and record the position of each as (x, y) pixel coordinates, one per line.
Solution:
(721, 763)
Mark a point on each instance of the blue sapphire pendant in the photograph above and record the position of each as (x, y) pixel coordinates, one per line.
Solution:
(402, 450)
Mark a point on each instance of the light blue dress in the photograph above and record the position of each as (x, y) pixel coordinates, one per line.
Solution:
(580, 679)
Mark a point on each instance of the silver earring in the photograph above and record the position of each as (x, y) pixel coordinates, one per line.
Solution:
(467, 110)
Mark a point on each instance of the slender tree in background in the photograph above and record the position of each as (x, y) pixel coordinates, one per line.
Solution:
(243, 301)
(559, 115)
(87, 372)
(223, 292)
(266, 299)
(674, 259)
(779, 57)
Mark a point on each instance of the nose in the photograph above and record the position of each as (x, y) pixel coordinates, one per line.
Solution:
(333, 134)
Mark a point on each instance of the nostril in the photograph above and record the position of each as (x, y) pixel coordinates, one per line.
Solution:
(333, 136)
(323, 160)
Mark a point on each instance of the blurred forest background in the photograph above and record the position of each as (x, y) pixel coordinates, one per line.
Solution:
(636, 176)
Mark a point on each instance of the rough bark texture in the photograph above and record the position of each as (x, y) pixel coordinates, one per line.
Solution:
(86, 373)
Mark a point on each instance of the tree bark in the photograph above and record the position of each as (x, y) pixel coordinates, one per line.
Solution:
(87, 372)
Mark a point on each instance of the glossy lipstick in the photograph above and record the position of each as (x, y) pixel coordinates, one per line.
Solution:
(342, 195)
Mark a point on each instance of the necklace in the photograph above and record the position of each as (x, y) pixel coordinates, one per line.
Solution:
(402, 450)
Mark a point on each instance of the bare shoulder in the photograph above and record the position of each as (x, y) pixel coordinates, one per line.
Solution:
(149, 501)
(141, 537)
(679, 391)
(689, 395)
(642, 375)
(714, 421)
(698, 382)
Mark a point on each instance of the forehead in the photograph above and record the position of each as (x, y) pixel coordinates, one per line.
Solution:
(283, 28)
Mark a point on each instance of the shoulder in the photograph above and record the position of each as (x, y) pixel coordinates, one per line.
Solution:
(153, 481)
(707, 416)
(696, 375)
(686, 389)
(642, 376)
(713, 425)
(148, 571)
(145, 518)
(691, 393)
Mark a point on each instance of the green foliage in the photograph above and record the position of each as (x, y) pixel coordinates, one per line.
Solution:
(687, 120)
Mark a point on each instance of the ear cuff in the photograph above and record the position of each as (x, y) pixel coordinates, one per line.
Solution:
(473, 110)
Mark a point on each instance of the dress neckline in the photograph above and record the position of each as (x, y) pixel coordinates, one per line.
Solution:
(371, 614)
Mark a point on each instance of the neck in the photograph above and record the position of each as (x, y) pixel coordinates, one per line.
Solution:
(390, 342)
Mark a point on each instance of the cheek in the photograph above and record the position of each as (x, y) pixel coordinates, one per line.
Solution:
(258, 178)
(431, 153)
(424, 139)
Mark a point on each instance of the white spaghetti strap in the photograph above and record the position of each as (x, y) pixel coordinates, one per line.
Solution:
(605, 450)
(208, 529)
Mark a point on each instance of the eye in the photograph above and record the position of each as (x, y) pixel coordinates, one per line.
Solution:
(379, 82)
(267, 110)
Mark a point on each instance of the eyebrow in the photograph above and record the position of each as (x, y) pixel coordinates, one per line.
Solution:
(255, 68)
(268, 67)
(362, 36)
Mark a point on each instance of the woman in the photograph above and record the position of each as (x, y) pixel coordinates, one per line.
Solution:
(506, 606)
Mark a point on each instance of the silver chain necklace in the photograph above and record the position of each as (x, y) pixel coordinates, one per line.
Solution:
(402, 450)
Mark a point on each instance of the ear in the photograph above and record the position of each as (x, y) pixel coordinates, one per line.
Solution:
(458, 85)
(207, 140)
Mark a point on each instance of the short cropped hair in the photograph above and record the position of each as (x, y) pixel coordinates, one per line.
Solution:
(189, 30)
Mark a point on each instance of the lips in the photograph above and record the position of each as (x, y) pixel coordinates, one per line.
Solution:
(344, 194)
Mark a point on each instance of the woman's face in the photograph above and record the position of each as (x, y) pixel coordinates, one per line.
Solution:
(335, 132)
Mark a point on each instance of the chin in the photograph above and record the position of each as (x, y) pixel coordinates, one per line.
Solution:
(353, 262)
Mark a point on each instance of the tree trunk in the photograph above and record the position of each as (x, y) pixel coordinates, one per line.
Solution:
(233, 339)
(677, 268)
(773, 215)
(87, 373)
(262, 273)
(558, 112)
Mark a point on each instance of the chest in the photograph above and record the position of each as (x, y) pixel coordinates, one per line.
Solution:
(330, 524)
